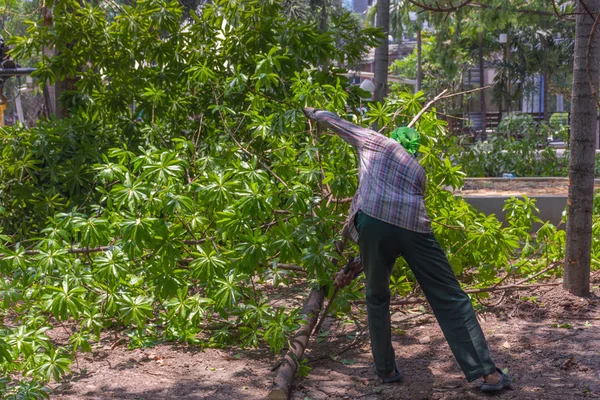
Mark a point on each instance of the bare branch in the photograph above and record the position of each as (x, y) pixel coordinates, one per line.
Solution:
(441, 9)
(558, 14)
(470, 3)
(416, 118)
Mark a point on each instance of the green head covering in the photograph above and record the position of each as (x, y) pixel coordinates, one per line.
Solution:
(408, 138)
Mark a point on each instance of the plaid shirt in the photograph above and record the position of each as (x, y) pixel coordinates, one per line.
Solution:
(391, 182)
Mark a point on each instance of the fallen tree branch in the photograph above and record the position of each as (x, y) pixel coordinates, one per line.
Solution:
(470, 291)
(280, 390)
(283, 381)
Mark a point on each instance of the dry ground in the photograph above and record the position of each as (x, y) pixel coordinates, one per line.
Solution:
(547, 361)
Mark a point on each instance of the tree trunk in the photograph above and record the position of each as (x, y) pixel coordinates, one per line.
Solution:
(546, 84)
(419, 61)
(582, 142)
(508, 85)
(61, 86)
(323, 21)
(545, 80)
(381, 52)
(481, 85)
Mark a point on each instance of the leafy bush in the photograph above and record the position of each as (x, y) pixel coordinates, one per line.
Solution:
(519, 147)
(558, 121)
(518, 125)
(500, 154)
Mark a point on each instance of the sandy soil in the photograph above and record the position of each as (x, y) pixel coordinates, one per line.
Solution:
(547, 361)
(512, 187)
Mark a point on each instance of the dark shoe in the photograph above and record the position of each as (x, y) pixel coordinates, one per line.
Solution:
(389, 379)
(496, 387)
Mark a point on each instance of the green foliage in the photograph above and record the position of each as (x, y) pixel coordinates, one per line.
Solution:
(557, 120)
(186, 177)
(520, 147)
(559, 123)
(517, 125)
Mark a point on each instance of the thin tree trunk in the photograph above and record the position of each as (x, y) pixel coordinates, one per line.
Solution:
(482, 84)
(382, 52)
(546, 84)
(545, 79)
(419, 61)
(47, 91)
(323, 22)
(581, 163)
(61, 86)
(508, 85)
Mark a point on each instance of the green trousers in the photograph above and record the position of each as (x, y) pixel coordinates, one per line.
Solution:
(380, 244)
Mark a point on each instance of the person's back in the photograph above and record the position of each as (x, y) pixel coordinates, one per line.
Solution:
(388, 219)
(391, 185)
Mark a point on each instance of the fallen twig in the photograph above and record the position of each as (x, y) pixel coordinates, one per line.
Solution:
(562, 337)
(471, 291)
(359, 338)
(548, 268)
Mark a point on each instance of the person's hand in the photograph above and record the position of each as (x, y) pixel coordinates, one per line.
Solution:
(344, 279)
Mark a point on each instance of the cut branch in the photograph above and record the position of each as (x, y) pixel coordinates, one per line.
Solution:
(283, 381)
(548, 268)
(312, 308)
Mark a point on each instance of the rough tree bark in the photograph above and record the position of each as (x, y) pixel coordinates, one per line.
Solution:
(382, 52)
(581, 164)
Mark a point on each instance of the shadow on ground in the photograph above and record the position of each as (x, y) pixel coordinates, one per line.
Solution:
(551, 346)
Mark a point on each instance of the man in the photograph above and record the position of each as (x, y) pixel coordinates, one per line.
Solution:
(387, 219)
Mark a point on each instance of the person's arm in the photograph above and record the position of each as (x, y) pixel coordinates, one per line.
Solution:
(353, 134)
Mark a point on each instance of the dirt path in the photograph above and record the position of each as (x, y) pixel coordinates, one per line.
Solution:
(547, 361)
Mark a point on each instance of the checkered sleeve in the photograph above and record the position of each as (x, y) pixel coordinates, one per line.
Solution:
(352, 134)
